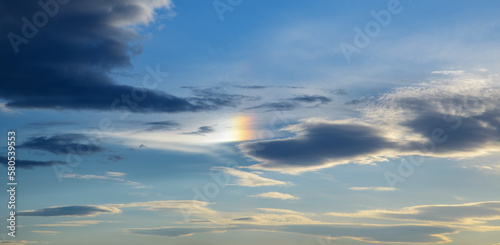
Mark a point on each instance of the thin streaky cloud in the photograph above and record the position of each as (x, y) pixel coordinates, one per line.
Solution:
(75, 210)
(115, 176)
(73, 223)
(276, 195)
(467, 213)
(250, 179)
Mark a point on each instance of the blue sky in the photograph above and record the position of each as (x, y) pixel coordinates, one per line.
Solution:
(223, 122)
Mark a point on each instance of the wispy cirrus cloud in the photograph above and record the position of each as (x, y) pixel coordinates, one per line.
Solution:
(449, 72)
(429, 223)
(280, 211)
(364, 233)
(250, 179)
(21, 242)
(74, 223)
(276, 195)
(4, 109)
(172, 206)
(76, 211)
(174, 231)
(290, 221)
(115, 176)
(468, 213)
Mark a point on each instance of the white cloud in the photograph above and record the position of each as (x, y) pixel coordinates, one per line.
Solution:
(365, 233)
(455, 72)
(278, 210)
(74, 223)
(250, 179)
(147, 13)
(166, 140)
(276, 195)
(176, 206)
(11, 242)
(6, 110)
(115, 176)
(463, 214)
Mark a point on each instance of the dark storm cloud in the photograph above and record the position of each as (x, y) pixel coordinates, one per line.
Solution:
(474, 125)
(77, 210)
(317, 144)
(458, 134)
(203, 130)
(162, 125)
(66, 62)
(63, 144)
(29, 164)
